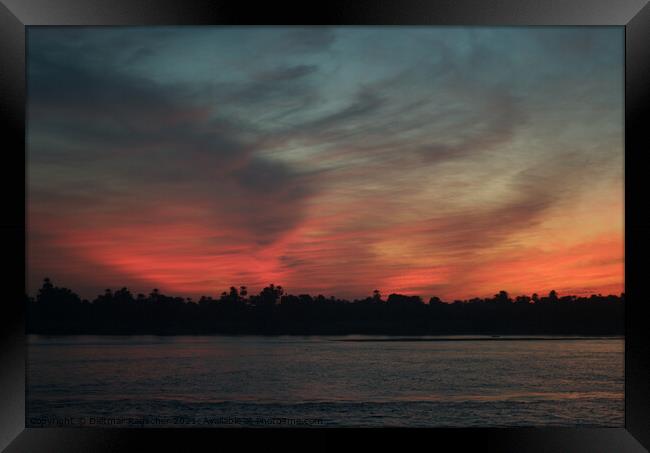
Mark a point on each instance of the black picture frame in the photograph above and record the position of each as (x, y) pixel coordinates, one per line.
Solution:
(16, 15)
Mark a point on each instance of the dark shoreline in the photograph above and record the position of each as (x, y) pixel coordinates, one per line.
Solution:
(59, 311)
(382, 337)
(499, 338)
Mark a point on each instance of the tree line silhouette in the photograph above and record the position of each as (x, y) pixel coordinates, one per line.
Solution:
(57, 310)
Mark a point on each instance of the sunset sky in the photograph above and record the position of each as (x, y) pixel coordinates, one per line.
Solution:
(435, 161)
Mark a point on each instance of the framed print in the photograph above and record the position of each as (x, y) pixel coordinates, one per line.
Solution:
(420, 219)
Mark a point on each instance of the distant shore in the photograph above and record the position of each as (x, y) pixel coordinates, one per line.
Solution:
(380, 337)
(491, 338)
(59, 311)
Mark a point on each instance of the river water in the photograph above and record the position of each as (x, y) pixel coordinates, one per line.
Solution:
(289, 381)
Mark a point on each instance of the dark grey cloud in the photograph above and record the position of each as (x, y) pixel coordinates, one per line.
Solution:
(155, 142)
(307, 40)
(286, 73)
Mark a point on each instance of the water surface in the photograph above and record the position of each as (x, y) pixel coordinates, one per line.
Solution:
(153, 381)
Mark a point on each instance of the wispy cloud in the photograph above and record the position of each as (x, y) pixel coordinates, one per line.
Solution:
(334, 160)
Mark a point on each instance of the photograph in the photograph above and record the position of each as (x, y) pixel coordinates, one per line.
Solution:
(341, 226)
